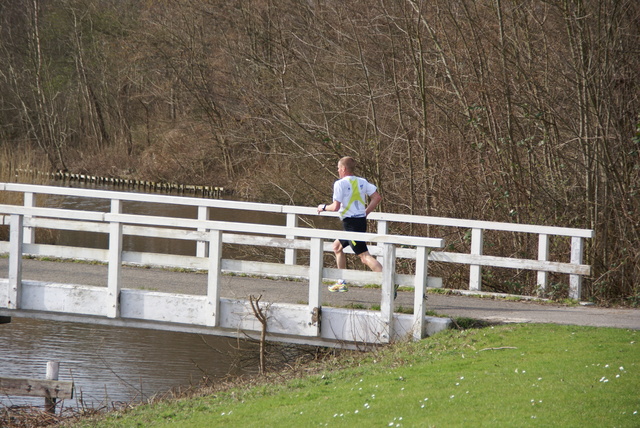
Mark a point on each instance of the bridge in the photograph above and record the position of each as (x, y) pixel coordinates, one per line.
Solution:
(303, 248)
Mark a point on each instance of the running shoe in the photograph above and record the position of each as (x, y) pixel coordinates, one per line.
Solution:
(339, 287)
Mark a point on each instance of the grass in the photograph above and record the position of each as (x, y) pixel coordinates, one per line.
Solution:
(500, 376)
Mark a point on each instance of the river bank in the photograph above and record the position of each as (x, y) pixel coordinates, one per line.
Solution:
(317, 361)
(504, 375)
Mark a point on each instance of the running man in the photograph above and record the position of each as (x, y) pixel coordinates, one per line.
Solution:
(349, 199)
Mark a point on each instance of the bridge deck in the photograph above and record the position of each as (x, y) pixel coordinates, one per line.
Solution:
(181, 282)
(346, 320)
(296, 291)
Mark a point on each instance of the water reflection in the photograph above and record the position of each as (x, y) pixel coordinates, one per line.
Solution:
(111, 364)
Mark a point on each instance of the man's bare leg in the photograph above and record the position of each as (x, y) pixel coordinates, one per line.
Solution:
(370, 261)
(341, 257)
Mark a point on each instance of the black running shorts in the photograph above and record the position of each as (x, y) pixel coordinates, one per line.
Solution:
(354, 224)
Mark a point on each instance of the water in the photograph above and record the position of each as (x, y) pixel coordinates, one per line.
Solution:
(113, 365)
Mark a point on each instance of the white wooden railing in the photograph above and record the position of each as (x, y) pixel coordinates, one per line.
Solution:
(475, 258)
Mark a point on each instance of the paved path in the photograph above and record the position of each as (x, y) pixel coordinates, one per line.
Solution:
(498, 310)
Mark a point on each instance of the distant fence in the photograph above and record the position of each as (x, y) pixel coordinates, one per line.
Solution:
(130, 183)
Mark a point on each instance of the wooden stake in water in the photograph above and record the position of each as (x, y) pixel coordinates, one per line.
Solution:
(52, 374)
(51, 388)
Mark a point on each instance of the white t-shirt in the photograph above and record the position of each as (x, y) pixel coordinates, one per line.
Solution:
(351, 192)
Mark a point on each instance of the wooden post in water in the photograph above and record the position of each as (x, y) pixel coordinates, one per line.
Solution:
(52, 374)
(51, 389)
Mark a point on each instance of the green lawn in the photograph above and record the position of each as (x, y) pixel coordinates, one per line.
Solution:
(503, 376)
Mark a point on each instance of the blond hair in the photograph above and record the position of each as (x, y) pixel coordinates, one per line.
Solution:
(348, 163)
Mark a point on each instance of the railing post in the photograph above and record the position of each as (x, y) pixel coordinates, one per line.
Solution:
(315, 281)
(213, 280)
(420, 288)
(388, 284)
(15, 261)
(543, 255)
(383, 229)
(115, 263)
(475, 271)
(291, 254)
(575, 281)
(29, 202)
(201, 246)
